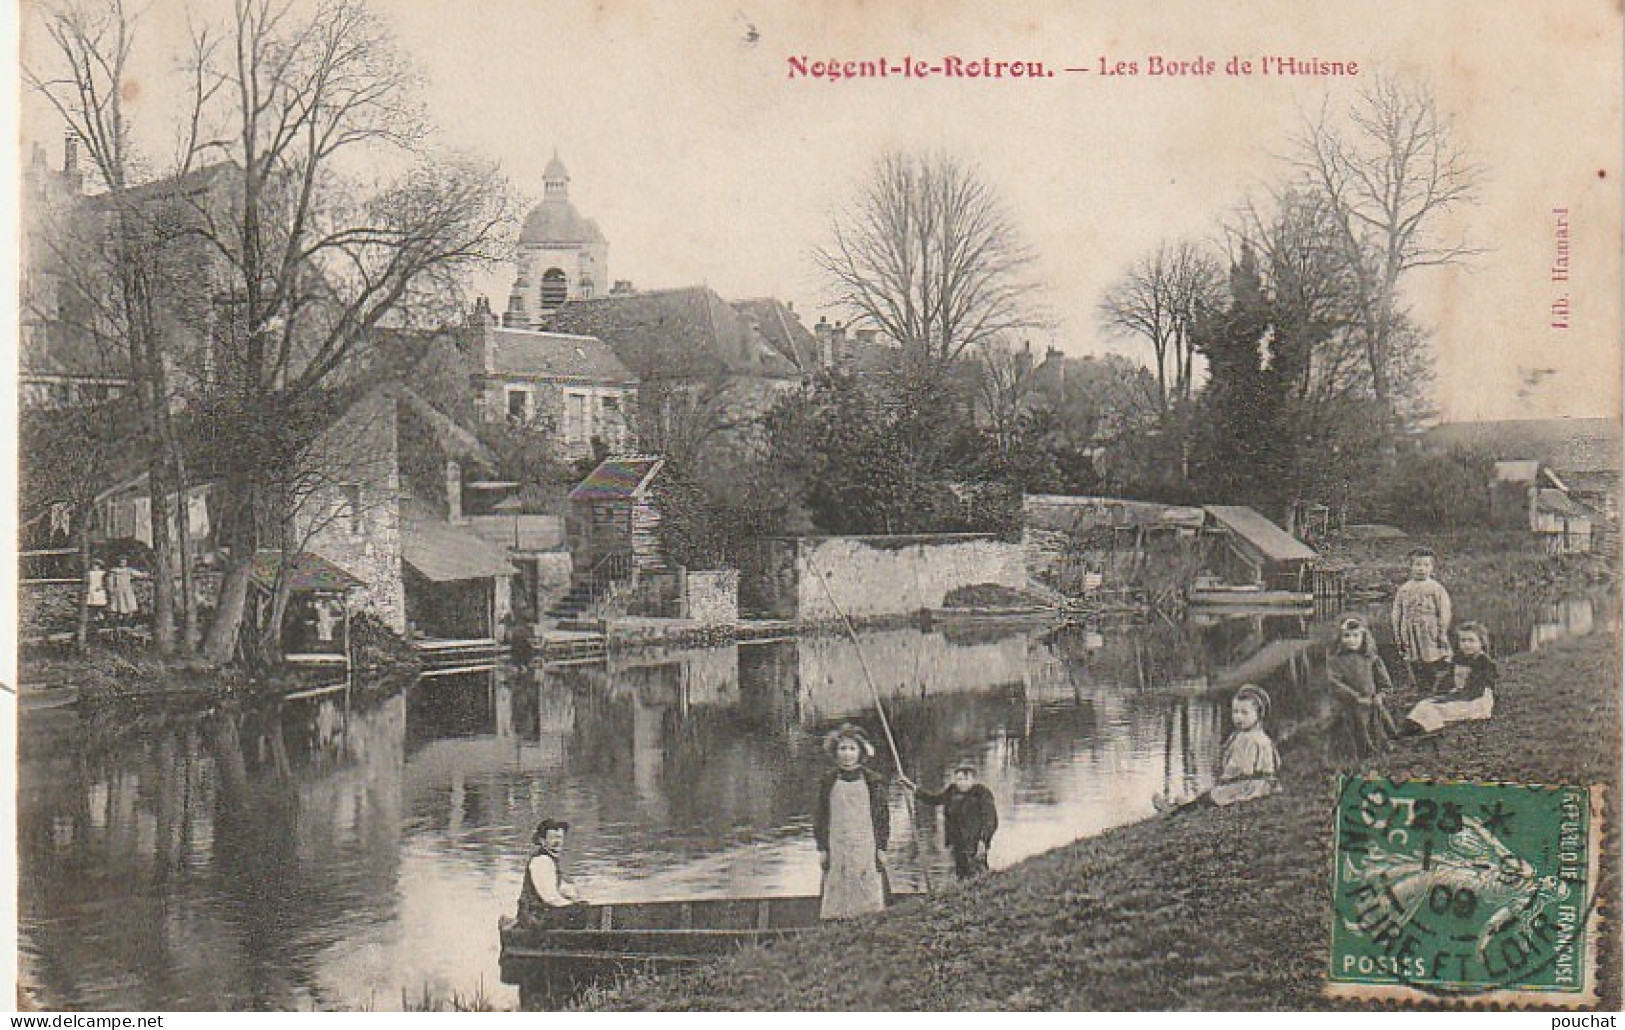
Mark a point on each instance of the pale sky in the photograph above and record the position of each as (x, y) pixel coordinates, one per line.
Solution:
(704, 162)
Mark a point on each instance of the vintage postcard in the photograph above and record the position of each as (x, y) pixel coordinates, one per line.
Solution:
(608, 504)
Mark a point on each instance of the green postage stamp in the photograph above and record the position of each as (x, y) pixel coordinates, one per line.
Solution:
(1482, 892)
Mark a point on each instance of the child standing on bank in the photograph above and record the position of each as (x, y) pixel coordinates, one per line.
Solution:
(972, 819)
(1359, 679)
(1421, 618)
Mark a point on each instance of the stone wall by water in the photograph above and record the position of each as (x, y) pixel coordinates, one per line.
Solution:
(874, 576)
(711, 598)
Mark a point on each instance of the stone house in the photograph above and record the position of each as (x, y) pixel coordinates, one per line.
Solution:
(568, 387)
(1584, 454)
(382, 500)
(706, 369)
(572, 387)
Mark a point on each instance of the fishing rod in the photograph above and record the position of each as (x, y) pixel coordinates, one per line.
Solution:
(885, 723)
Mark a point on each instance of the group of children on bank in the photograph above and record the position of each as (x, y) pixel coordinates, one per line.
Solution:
(1453, 683)
(852, 812)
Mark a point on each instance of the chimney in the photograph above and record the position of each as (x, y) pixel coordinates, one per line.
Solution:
(70, 161)
(481, 315)
(454, 492)
(837, 342)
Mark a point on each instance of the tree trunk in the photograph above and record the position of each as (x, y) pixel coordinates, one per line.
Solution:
(220, 647)
(183, 534)
(240, 528)
(161, 492)
(81, 635)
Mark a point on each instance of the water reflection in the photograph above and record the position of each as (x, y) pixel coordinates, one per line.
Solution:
(327, 854)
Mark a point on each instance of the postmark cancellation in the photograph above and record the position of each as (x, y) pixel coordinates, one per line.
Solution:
(1480, 893)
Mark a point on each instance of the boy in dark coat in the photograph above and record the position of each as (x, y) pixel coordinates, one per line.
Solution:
(972, 820)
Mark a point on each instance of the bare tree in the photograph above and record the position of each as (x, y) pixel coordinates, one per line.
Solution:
(114, 259)
(311, 263)
(1006, 383)
(1389, 173)
(1160, 298)
(929, 255)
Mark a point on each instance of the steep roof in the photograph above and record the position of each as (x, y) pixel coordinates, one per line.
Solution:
(442, 552)
(1558, 503)
(454, 439)
(782, 329)
(308, 572)
(687, 333)
(618, 478)
(1567, 444)
(549, 355)
(1270, 540)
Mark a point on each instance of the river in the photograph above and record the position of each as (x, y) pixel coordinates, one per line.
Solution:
(331, 854)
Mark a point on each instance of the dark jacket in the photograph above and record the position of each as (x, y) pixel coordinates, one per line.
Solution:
(1475, 674)
(879, 806)
(972, 816)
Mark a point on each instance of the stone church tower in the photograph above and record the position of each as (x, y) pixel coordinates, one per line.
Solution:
(562, 256)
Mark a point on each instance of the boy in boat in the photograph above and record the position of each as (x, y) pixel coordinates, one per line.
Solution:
(972, 819)
(545, 887)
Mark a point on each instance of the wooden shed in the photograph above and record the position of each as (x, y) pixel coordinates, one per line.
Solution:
(613, 525)
(1564, 526)
(316, 624)
(1248, 549)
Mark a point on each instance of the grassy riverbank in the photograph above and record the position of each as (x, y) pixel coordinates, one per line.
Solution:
(130, 671)
(1477, 563)
(1221, 909)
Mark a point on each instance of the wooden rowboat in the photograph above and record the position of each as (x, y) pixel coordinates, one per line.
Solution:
(586, 942)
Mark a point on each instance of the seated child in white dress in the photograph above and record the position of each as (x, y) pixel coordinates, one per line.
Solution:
(1472, 679)
(1250, 764)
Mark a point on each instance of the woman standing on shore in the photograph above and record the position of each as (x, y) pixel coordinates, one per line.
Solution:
(852, 825)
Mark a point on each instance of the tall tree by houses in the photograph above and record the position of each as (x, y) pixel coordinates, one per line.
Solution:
(1160, 298)
(928, 254)
(121, 269)
(302, 261)
(1390, 172)
(314, 264)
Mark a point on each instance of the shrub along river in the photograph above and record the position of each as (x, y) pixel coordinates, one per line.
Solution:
(325, 854)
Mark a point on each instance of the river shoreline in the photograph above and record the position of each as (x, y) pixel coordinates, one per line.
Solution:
(1222, 909)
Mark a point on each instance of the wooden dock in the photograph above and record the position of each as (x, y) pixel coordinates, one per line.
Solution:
(441, 653)
(574, 647)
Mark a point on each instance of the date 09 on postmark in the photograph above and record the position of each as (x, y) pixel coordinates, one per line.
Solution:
(1474, 892)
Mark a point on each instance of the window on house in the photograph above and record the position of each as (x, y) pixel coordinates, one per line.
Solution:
(612, 404)
(555, 288)
(518, 406)
(351, 492)
(575, 417)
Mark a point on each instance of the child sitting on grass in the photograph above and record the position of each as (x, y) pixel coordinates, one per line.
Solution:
(1250, 764)
(1359, 679)
(1472, 696)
